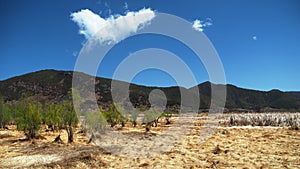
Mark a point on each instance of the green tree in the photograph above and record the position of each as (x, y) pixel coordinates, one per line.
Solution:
(167, 116)
(5, 115)
(11, 108)
(29, 117)
(95, 121)
(69, 119)
(77, 100)
(53, 117)
(113, 117)
(133, 117)
(122, 118)
(151, 117)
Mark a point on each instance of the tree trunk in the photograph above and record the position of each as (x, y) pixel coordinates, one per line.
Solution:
(168, 121)
(134, 123)
(51, 127)
(58, 139)
(31, 134)
(148, 126)
(70, 134)
(91, 138)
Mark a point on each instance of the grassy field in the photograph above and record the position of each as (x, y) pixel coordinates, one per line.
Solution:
(240, 141)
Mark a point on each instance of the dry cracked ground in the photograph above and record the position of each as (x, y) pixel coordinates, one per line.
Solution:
(228, 147)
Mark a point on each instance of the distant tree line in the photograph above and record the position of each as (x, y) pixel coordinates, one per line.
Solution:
(117, 116)
(29, 114)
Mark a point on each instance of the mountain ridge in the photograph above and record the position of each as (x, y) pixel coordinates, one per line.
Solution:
(287, 91)
(53, 85)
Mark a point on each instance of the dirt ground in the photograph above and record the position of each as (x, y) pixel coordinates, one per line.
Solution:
(229, 147)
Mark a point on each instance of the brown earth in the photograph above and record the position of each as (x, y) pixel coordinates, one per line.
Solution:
(229, 147)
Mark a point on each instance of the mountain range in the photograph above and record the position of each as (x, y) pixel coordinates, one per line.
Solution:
(54, 85)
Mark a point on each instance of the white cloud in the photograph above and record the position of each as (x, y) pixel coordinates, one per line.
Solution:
(199, 25)
(114, 28)
(88, 22)
(254, 37)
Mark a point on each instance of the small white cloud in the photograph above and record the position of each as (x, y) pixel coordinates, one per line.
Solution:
(254, 37)
(199, 25)
(114, 28)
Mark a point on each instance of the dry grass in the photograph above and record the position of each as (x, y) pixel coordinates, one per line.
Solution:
(229, 147)
(289, 120)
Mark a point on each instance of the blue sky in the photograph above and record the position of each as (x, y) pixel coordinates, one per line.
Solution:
(257, 41)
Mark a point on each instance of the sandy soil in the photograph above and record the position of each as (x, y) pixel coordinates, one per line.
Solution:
(229, 147)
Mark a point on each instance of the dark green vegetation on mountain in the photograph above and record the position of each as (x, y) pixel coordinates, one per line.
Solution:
(52, 85)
